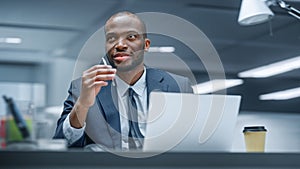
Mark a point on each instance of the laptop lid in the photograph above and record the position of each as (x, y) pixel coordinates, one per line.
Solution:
(190, 122)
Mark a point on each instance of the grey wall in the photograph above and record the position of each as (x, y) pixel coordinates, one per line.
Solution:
(22, 72)
(55, 74)
(59, 76)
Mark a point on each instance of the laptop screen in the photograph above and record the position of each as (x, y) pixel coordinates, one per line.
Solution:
(190, 122)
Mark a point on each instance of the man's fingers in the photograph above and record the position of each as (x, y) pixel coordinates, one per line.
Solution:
(98, 67)
(99, 72)
(97, 79)
(104, 77)
(105, 71)
(98, 83)
(97, 76)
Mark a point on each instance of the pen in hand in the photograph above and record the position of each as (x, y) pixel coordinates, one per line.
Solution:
(105, 63)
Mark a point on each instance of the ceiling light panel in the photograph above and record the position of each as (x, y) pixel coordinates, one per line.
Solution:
(272, 69)
(281, 95)
(216, 85)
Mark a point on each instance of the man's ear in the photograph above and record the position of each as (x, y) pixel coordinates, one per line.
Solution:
(147, 44)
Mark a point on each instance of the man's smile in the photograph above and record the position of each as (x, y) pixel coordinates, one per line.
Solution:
(121, 57)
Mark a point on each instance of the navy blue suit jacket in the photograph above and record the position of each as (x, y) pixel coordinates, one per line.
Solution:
(103, 120)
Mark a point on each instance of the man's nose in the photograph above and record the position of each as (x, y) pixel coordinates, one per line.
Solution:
(121, 45)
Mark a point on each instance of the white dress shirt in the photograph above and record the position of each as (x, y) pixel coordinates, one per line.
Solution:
(73, 134)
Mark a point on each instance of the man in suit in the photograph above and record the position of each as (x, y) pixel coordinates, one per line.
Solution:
(98, 109)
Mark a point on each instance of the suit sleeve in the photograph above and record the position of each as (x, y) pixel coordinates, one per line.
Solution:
(68, 106)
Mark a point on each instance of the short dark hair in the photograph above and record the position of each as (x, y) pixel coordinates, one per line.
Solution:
(127, 13)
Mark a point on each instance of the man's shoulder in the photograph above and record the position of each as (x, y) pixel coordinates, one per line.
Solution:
(165, 74)
(175, 82)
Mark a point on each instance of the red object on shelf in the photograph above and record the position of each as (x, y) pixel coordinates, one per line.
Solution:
(2, 133)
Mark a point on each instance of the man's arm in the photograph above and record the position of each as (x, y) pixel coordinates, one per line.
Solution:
(75, 110)
(64, 130)
(92, 81)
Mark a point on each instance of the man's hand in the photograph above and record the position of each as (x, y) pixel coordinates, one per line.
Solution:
(92, 81)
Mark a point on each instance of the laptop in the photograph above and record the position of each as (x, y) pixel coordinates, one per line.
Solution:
(190, 122)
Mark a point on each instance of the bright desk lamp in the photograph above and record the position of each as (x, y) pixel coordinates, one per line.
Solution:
(253, 12)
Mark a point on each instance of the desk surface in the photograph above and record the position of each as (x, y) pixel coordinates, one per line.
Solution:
(81, 159)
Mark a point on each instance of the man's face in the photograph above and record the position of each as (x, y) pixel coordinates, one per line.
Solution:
(125, 43)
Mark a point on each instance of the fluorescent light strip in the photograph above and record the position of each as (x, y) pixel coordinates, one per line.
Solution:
(281, 95)
(215, 85)
(11, 40)
(272, 69)
(163, 49)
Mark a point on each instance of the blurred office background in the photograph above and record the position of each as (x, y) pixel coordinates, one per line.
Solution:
(40, 44)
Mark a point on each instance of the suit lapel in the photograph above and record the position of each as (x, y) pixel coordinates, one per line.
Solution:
(155, 82)
(108, 103)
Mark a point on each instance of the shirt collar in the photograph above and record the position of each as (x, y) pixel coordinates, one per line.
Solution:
(138, 87)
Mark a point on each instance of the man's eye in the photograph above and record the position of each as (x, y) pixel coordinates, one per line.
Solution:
(110, 39)
(132, 37)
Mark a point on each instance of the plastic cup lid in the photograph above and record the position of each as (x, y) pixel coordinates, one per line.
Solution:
(254, 128)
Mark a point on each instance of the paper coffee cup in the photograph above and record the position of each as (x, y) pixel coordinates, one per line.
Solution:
(255, 137)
